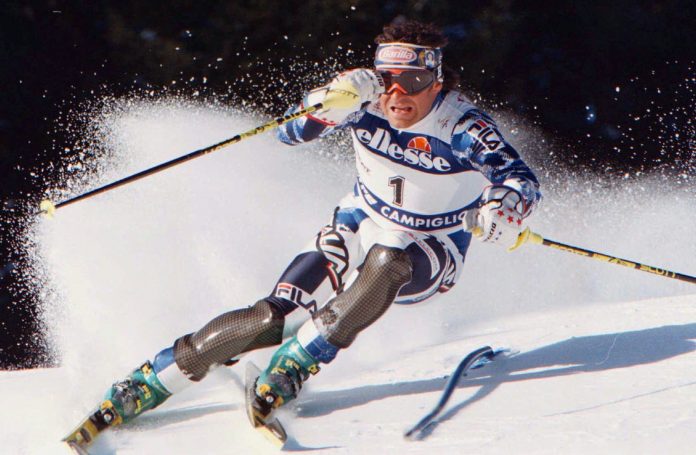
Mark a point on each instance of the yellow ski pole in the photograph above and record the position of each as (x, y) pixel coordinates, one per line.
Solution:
(528, 236)
(49, 208)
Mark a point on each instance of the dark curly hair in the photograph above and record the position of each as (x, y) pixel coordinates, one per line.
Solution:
(414, 32)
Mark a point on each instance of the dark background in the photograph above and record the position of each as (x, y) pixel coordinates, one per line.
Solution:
(610, 82)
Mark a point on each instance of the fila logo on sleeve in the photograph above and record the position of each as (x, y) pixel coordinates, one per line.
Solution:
(486, 134)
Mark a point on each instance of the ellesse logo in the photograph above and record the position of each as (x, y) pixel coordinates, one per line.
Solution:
(419, 143)
(417, 152)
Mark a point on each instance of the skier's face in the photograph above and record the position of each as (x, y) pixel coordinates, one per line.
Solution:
(403, 110)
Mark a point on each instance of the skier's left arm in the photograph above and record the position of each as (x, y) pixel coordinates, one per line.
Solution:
(514, 190)
(342, 99)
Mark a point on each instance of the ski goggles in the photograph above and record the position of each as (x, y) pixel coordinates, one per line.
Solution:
(408, 82)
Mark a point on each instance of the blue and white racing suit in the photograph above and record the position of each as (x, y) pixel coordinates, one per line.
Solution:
(412, 189)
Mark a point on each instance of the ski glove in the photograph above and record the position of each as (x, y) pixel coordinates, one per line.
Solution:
(345, 94)
(500, 218)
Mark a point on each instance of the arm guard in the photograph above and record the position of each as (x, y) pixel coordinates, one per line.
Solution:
(476, 139)
(301, 130)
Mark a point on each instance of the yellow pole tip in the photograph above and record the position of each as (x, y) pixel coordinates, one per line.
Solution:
(523, 238)
(535, 238)
(47, 208)
(526, 236)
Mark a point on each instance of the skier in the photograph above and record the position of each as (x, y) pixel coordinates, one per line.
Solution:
(431, 168)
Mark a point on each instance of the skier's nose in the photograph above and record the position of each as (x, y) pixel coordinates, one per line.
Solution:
(396, 95)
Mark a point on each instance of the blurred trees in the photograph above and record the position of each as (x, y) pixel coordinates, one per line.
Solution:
(560, 57)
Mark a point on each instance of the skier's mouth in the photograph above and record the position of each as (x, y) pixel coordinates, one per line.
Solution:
(401, 110)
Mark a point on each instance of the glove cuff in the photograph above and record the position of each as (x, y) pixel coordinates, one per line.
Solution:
(511, 196)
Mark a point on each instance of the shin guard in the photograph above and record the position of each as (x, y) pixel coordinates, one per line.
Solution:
(227, 336)
(383, 273)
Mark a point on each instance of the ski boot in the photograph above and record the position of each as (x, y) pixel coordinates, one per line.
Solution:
(125, 400)
(280, 383)
(265, 391)
(139, 392)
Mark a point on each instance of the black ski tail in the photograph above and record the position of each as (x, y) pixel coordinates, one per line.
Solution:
(472, 360)
(259, 416)
(92, 426)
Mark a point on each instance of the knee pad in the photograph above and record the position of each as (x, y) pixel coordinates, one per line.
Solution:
(383, 273)
(227, 336)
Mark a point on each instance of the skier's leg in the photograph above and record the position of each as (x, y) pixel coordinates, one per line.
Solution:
(311, 277)
(335, 326)
(322, 268)
(413, 268)
(192, 356)
(229, 335)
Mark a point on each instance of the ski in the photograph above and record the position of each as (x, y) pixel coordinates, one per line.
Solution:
(473, 360)
(260, 419)
(82, 436)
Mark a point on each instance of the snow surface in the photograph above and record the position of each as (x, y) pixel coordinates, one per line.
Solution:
(605, 363)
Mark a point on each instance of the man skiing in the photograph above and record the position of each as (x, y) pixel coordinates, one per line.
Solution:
(431, 168)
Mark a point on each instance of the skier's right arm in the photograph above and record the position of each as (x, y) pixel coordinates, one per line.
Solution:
(346, 94)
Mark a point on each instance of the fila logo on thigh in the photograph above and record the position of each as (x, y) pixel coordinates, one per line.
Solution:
(294, 294)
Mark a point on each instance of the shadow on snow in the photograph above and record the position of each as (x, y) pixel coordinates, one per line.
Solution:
(572, 356)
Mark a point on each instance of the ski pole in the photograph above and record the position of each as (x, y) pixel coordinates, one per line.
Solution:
(528, 236)
(49, 208)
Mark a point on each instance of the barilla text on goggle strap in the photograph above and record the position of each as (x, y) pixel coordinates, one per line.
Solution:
(405, 55)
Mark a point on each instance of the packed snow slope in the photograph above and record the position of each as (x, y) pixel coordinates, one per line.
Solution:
(605, 363)
(619, 382)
